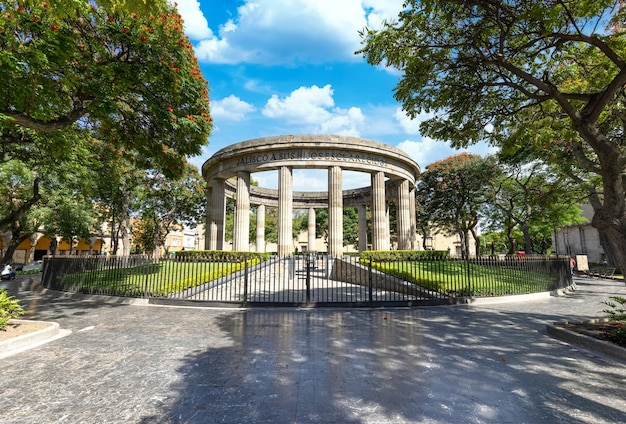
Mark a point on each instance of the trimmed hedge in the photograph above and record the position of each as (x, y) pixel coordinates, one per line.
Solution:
(221, 255)
(402, 255)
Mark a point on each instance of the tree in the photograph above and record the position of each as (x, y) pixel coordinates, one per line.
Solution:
(453, 193)
(39, 176)
(130, 77)
(166, 204)
(112, 71)
(534, 199)
(546, 73)
(350, 226)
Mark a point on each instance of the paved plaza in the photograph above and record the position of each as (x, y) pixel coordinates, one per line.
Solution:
(490, 363)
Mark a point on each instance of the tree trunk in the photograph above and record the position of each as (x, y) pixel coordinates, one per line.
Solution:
(124, 221)
(476, 241)
(528, 241)
(605, 242)
(16, 239)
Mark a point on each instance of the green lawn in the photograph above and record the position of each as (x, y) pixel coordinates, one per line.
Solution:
(158, 279)
(461, 278)
(456, 278)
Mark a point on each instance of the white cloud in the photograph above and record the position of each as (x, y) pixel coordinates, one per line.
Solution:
(196, 25)
(294, 31)
(305, 104)
(343, 122)
(410, 126)
(230, 108)
(427, 150)
(312, 109)
(381, 10)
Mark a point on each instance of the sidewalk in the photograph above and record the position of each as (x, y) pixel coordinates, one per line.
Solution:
(148, 364)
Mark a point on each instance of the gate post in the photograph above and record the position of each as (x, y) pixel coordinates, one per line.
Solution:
(309, 262)
(369, 282)
(245, 283)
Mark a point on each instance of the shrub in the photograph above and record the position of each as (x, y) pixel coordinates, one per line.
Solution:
(221, 255)
(403, 255)
(617, 312)
(9, 308)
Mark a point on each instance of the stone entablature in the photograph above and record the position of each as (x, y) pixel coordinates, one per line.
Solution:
(393, 174)
(310, 151)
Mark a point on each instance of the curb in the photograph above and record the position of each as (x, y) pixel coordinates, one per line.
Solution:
(484, 301)
(588, 342)
(100, 298)
(50, 332)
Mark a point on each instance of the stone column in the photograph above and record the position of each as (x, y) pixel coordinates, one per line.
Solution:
(208, 196)
(403, 219)
(380, 223)
(335, 212)
(241, 229)
(414, 242)
(260, 228)
(285, 208)
(311, 230)
(362, 228)
(215, 228)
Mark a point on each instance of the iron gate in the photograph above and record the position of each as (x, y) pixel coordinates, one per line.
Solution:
(304, 280)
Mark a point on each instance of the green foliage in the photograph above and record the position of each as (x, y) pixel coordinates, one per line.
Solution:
(221, 255)
(470, 278)
(350, 226)
(402, 255)
(202, 278)
(617, 312)
(158, 278)
(91, 95)
(452, 194)
(530, 199)
(9, 308)
(129, 77)
(542, 79)
(166, 203)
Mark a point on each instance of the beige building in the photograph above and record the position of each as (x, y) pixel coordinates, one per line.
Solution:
(580, 239)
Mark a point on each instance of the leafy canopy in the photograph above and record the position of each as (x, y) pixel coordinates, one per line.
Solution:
(487, 67)
(130, 77)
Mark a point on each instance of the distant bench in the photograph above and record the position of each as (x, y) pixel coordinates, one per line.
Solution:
(601, 272)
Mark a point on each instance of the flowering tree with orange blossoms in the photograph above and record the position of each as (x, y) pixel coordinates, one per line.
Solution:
(73, 72)
(452, 195)
(129, 78)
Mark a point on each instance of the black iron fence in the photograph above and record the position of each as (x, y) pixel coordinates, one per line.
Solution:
(305, 279)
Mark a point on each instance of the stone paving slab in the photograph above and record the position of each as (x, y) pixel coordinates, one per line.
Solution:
(476, 364)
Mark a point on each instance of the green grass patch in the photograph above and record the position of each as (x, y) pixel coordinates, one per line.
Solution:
(153, 279)
(463, 279)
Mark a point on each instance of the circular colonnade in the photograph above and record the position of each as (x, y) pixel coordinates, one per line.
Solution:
(393, 175)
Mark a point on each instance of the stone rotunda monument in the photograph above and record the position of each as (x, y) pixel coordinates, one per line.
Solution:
(393, 176)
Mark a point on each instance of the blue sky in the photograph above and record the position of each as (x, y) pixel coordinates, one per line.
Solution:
(280, 67)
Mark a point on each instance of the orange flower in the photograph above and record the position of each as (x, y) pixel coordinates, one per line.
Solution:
(124, 30)
(35, 19)
(144, 38)
(169, 109)
(44, 4)
(54, 27)
(110, 19)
